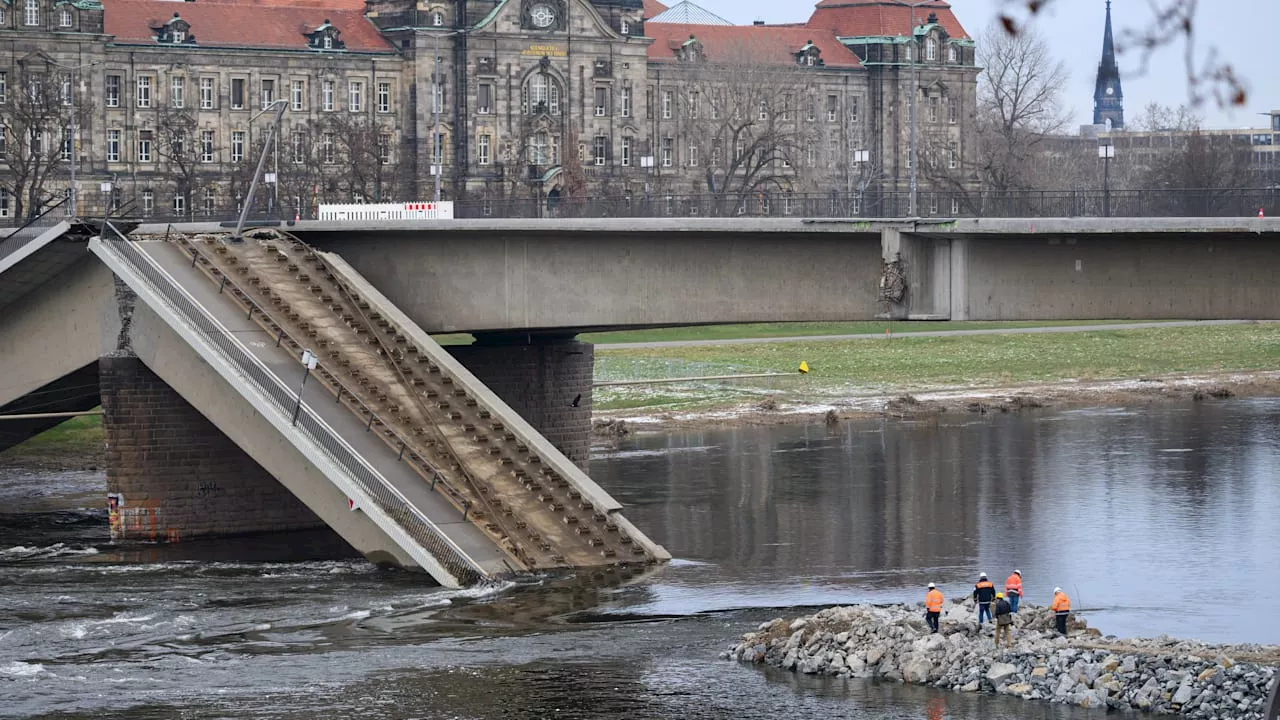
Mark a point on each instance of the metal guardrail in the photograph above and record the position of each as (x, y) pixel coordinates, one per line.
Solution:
(33, 229)
(388, 498)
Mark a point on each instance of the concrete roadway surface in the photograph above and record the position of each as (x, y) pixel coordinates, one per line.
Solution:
(927, 333)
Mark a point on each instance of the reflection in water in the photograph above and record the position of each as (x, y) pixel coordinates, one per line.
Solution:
(1137, 514)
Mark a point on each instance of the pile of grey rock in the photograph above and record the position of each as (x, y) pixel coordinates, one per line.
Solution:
(1161, 675)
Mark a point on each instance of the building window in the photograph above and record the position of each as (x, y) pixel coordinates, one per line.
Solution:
(788, 203)
(237, 93)
(542, 95)
(178, 36)
(810, 154)
(626, 152)
(65, 149)
(237, 145)
(384, 97)
(933, 204)
(437, 149)
(602, 101)
(666, 104)
(148, 202)
(144, 91)
(953, 112)
(177, 91)
(206, 93)
(953, 159)
(4, 18)
(326, 96)
(484, 149)
(179, 205)
(601, 149)
(4, 204)
(931, 50)
(355, 95)
(268, 93)
(113, 146)
(438, 95)
(624, 27)
(538, 149)
(694, 101)
(437, 18)
(31, 14)
(668, 145)
(4, 86)
(952, 55)
(385, 145)
(484, 99)
(299, 145)
(853, 109)
(144, 145)
(934, 103)
(764, 109)
(327, 155)
(626, 102)
(811, 112)
(955, 206)
(206, 146)
(208, 201)
(693, 156)
(833, 108)
(297, 91)
(64, 91)
(907, 53)
(717, 154)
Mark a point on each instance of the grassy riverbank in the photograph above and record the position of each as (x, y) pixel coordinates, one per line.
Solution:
(914, 364)
(78, 442)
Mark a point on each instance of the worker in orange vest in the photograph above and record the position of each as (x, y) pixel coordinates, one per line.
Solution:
(933, 607)
(1013, 589)
(984, 592)
(1061, 608)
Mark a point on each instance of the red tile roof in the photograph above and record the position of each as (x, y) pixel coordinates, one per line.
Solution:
(881, 18)
(653, 7)
(769, 44)
(273, 24)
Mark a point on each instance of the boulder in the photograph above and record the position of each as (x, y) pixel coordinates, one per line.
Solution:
(917, 671)
(1000, 672)
(1183, 695)
(1018, 689)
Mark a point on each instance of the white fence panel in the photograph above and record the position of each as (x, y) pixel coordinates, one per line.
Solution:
(388, 211)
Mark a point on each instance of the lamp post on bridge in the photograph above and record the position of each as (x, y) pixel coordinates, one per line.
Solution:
(437, 99)
(1107, 152)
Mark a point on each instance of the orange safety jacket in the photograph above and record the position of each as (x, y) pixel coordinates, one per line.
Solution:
(1061, 603)
(1013, 584)
(933, 601)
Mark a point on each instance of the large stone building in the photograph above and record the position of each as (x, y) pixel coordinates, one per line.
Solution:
(536, 103)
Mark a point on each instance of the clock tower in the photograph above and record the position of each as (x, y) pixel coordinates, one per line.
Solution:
(1108, 97)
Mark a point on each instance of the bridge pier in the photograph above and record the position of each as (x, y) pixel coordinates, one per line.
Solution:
(546, 379)
(174, 474)
(919, 275)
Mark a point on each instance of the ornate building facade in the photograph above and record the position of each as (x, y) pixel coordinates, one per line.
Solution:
(501, 103)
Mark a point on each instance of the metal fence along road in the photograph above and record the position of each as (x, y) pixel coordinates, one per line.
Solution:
(1235, 202)
(33, 229)
(388, 498)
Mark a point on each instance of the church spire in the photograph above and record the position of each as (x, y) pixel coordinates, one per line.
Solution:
(1108, 97)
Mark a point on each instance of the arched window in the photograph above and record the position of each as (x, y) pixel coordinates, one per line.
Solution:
(931, 50)
(539, 149)
(541, 95)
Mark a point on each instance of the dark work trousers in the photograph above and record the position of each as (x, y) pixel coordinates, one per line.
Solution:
(932, 619)
(1061, 617)
(984, 611)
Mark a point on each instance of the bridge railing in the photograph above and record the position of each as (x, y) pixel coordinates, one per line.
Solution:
(388, 498)
(31, 230)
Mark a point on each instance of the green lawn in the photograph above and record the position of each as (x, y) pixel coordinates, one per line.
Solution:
(766, 330)
(79, 435)
(908, 364)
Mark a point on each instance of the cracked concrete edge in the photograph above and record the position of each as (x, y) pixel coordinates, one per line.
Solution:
(486, 397)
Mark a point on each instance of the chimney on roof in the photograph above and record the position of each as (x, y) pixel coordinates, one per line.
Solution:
(758, 23)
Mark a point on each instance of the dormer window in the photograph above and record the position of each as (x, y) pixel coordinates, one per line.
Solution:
(809, 55)
(952, 55)
(174, 32)
(624, 26)
(66, 18)
(931, 50)
(437, 18)
(325, 37)
(691, 50)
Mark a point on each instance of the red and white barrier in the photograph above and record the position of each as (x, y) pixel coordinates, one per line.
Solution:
(388, 211)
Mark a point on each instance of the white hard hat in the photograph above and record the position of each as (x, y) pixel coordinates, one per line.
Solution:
(932, 586)
(1057, 589)
(1017, 572)
(982, 575)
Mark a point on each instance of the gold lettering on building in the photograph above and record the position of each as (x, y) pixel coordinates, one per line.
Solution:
(545, 50)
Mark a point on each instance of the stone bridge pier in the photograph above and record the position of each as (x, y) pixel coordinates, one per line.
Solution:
(545, 377)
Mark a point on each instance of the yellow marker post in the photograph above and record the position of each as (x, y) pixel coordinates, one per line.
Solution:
(804, 368)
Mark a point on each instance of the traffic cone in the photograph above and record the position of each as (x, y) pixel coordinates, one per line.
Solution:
(1260, 213)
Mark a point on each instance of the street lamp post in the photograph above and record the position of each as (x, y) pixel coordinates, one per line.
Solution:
(280, 106)
(860, 159)
(915, 90)
(437, 147)
(1107, 153)
(75, 126)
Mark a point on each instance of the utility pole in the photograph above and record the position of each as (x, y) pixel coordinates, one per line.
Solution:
(437, 97)
(1107, 153)
(280, 105)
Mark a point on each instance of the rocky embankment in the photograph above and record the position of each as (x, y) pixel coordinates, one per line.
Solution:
(893, 643)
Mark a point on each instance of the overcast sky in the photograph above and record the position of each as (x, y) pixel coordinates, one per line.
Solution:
(1074, 31)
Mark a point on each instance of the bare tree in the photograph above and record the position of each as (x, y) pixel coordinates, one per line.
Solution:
(1156, 118)
(1171, 22)
(744, 127)
(1019, 103)
(367, 148)
(179, 149)
(1204, 168)
(35, 132)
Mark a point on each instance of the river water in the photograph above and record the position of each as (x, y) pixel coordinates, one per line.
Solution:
(1156, 520)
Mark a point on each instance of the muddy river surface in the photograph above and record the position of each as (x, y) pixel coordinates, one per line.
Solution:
(1156, 520)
